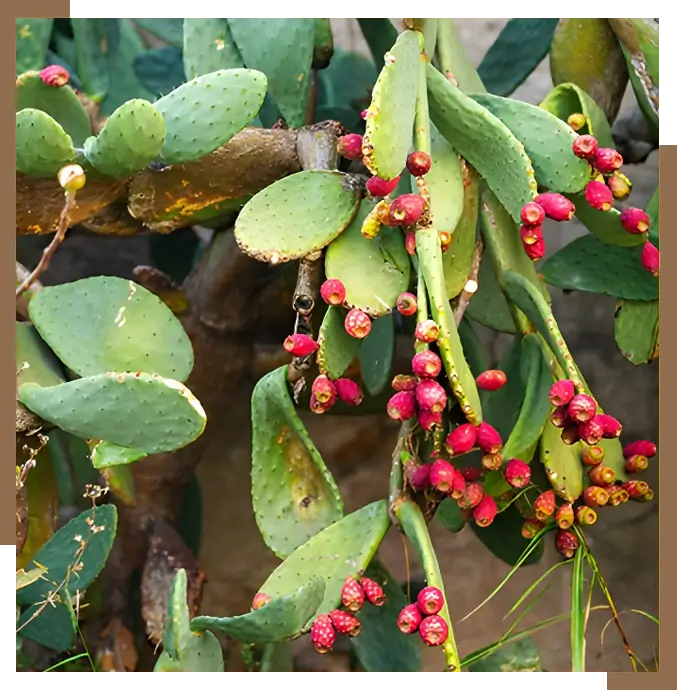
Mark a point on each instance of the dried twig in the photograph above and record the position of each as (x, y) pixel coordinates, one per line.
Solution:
(463, 299)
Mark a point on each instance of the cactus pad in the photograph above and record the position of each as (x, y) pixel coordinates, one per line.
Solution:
(32, 43)
(104, 323)
(377, 354)
(297, 215)
(136, 410)
(106, 454)
(294, 495)
(636, 330)
(547, 141)
(35, 362)
(208, 46)
(131, 139)
(488, 306)
(96, 44)
(42, 146)
(390, 116)
(208, 111)
(605, 225)
(484, 141)
(282, 618)
(374, 271)
(341, 550)
(337, 349)
(562, 464)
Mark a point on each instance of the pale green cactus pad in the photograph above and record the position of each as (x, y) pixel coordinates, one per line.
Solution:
(136, 410)
(337, 349)
(344, 549)
(488, 306)
(35, 362)
(636, 330)
(374, 271)
(547, 140)
(106, 454)
(96, 40)
(390, 116)
(42, 145)
(377, 354)
(208, 111)
(293, 494)
(606, 225)
(282, 618)
(131, 139)
(484, 141)
(208, 46)
(297, 215)
(104, 323)
(32, 42)
(120, 481)
(562, 463)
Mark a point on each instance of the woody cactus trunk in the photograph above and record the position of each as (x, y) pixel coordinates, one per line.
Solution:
(353, 205)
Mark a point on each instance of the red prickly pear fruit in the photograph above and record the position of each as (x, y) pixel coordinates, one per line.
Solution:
(54, 76)
(407, 304)
(562, 392)
(532, 214)
(595, 497)
(409, 619)
(607, 160)
(433, 631)
(611, 427)
(472, 496)
(323, 634)
(404, 382)
(544, 505)
(373, 591)
(458, 486)
(379, 187)
(299, 345)
(407, 209)
(333, 292)
(357, 324)
(427, 420)
(410, 243)
(402, 406)
(461, 440)
(535, 250)
(430, 601)
(645, 448)
(531, 528)
(556, 206)
(323, 390)
(445, 241)
(488, 439)
(485, 512)
(427, 331)
(442, 478)
(352, 595)
(592, 456)
(471, 474)
(648, 496)
(582, 408)
(564, 517)
(420, 478)
(492, 461)
(617, 495)
(350, 146)
(585, 147)
(418, 163)
(636, 489)
(585, 515)
(635, 221)
(345, 622)
(349, 392)
(636, 463)
(517, 473)
(426, 365)
(601, 475)
(592, 431)
(599, 196)
(651, 259)
(576, 121)
(261, 599)
(570, 434)
(363, 114)
(566, 542)
(317, 407)
(531, 234)
(619, 185)
(431, 396)
(491, 380)
(560, 417)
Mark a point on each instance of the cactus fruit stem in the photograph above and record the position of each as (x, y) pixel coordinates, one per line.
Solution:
(423, 313)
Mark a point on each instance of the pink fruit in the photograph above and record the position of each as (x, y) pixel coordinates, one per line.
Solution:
(617, 495)
(570, 433)
(407, 304)
(564, 517)
(492, 461)
(532, 214)
(544, 505)
(562, 392)
(585, 146)
(420, 478)
(556, 206)
(592, 456)
(350, 146)
(517, 473)
(418, 163)
(317, 407)
(345, 622)
(607, 160)
(323, 390)
(461, 440)
(442, 477)
(409, 619)
(407, 209)
(651, 259)
(363, 114)
(333, 292)
(566, 542)
(531, 528)
(560, 417)
(348, 391)
(373, 591)
(602, 475)
(54, 75)
(488, 439)
(611, 427)
(430, 601)
(379, 187)
(472, 496)
(471, 474)
(352, 595)
(619, 185)
(404, 382)
(595, 496)
(458, 486)
(636, 463)
(491, 380)
(357, 324)
(599, 196)
(260, 599)
(427, 331)
(402, 406)
(427, 419)
(433, 631)
(410, 243)
(535, 250)
(582, 408)
(592, 431)
(299, 345)
(646, 448)
(485, 512)
(530, 234)
(635, 221)
(635, 488)
(431, 396)
(426, 364)
(323, 634)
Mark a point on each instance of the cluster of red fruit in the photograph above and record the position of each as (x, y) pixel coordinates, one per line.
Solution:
(54, 76)
(353, 594)
(422, 616)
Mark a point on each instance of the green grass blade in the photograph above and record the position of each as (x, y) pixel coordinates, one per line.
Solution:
(578, 614)
(520, 601)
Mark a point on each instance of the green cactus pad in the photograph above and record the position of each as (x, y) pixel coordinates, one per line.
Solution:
(160, 70)
(131, 139)
(293, 494)
(323, 44)
(375, 272)
(449, 515)
(276, 657)
(96, 44)
(32, 42)
(590, 265)
(60, 103)
(484, 141)
(472, 347)
(337, 349)
(208, 111)
(42, 146)
(35, 362)
(562, 463)
(636, 330)
(168, 30)
(208, 46)
(341, 550)
(390, 117)
(85, 542)
(283, 50)
(104, 323)
(377, 354)
(520, 655)
(605, 225)
(457, 260)
(652, 209)
(282, 618)
(547, 140)
(105, 454)
(136, 410)
(488, 306)
(297, 215)
(453, 58)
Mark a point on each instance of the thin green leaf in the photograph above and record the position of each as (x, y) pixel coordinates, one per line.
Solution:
(537, 582)
(578, 614)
